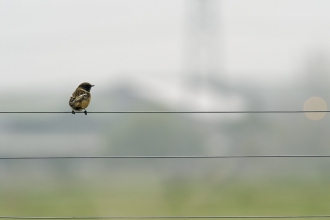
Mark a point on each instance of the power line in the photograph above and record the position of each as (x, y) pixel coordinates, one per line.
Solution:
(163, 157)
(169, 217)
(171, 112)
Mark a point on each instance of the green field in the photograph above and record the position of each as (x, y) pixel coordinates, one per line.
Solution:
(166, 197)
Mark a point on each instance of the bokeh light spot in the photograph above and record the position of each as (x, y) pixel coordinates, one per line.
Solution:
(315, 104)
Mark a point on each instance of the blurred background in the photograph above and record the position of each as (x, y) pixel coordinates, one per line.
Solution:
(168, 55)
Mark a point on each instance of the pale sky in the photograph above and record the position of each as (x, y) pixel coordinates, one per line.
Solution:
(46, 44)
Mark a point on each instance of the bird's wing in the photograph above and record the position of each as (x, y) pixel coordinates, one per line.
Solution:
(78, 95)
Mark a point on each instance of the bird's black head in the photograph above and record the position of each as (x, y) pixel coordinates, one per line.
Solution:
(86, 86)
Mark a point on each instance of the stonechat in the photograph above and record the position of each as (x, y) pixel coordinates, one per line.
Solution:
(81, 98)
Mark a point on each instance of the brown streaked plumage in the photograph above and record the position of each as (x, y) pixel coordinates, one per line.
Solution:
(80, 98)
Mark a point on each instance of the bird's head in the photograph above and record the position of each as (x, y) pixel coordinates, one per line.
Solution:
(86, 86)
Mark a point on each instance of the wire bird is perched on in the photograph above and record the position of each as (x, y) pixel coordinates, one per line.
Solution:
(81, 97)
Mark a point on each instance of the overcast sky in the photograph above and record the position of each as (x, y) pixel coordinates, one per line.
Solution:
(62, 43)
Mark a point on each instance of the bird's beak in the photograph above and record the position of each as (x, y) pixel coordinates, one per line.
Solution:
(93, 85)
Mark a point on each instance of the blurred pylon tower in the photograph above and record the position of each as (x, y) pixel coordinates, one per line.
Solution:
(203, 47)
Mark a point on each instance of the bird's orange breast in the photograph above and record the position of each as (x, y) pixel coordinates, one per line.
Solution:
(85, 103)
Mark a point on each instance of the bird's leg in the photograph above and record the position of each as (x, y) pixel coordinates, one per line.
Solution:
(73, 112)
(85, 112)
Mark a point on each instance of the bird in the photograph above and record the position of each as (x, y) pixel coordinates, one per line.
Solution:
(81, 97)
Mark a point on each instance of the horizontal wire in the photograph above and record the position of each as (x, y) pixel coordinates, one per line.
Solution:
(169, 112)
(163, 157)
(168, 217)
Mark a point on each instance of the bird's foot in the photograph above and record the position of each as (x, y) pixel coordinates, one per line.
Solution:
(73, 112)
(85, 112)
